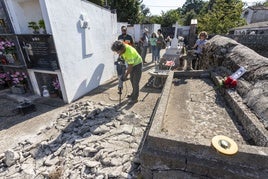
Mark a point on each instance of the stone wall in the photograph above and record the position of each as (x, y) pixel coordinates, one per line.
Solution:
(253, 85)
(258, 42)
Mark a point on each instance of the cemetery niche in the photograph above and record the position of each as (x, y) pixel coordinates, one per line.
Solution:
(9, 51)
(5, 25)
(39, 52)
(49, 82)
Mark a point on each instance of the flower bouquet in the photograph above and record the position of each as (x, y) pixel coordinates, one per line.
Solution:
(231, 81)
(18, 80)
(7, 47)
(56, 85)
(3, 78)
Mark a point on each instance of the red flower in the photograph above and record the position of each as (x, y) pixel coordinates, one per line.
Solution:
(233, 84)
(229, 82)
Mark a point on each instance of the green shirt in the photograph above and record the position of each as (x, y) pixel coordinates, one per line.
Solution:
(153, 41)
(131, 56)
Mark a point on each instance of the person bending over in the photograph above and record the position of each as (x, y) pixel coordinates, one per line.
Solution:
(134, 68)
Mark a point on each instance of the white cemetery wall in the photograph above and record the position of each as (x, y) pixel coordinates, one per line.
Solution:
(137, 32)
(84, 53)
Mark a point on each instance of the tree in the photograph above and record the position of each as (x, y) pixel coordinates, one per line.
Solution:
(169, 18)
(145, 10)
(127, 10)
(265, 3)
(224, 15)
(144, 15)
(186, 20)
(192, 5)
(190, 10)
(99, 2)
(155, 19)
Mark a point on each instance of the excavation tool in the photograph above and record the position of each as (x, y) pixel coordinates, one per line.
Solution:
(121, 69)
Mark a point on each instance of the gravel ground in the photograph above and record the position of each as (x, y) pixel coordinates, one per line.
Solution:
(33, 129)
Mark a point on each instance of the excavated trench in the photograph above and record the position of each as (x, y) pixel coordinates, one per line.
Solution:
(191, 111)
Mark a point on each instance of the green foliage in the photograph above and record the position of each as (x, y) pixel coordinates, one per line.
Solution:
(192, 5)
(145, 10)
(191, 10)
(41, 24)
(223, 15)
(144, 15)
(99, 2)
(127, 10)
(265, 3)
(34, 26)
(155, 20)
(188, 17)
(214, 16)
(169, 18)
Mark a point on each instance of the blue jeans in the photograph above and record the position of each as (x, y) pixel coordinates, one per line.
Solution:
(154, 53)
(158, 53)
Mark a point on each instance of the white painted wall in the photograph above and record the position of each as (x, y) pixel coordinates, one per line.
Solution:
(139, 30)
(85, 55)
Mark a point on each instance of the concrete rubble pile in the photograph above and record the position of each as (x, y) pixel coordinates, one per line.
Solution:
(92, 141)
(253, 86)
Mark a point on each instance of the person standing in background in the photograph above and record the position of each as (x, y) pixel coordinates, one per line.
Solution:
(124, 37)
(160, 42)
(153, 43)
(145, 43)
(199, 45)
(168, 41)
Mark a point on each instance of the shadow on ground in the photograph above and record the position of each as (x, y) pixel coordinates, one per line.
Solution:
(11, 115)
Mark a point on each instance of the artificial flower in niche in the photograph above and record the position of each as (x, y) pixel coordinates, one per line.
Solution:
(7, 47)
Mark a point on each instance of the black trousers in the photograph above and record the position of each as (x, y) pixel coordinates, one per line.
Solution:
(135, 77)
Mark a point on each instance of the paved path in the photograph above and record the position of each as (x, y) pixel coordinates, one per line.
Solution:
(17, 128)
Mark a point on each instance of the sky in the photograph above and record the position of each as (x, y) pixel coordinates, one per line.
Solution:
(157, 6)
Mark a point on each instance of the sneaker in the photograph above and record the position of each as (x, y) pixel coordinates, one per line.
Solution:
(132, 101)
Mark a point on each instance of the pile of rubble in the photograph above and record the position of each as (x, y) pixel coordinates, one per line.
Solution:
(88, 140)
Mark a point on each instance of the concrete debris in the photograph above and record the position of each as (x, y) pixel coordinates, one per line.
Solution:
(94, 140)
